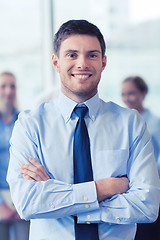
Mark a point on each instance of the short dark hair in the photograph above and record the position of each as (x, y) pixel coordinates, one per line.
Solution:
(7, 73)
(138, 82)
(77, 27)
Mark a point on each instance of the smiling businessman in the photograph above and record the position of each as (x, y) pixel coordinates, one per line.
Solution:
(92, 174)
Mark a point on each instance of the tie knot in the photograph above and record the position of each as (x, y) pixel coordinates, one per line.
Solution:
(81, 111)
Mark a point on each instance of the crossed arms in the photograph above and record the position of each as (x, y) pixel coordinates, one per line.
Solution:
(105, 188)
(133, 200)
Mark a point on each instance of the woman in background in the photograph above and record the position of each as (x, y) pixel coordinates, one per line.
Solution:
(8, 115)
(134, 90)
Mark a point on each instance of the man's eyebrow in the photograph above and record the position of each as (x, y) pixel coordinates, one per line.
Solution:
(75, 51)
(71, 50)
(94, 51)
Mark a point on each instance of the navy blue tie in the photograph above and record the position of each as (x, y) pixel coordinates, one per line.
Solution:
(83, 171)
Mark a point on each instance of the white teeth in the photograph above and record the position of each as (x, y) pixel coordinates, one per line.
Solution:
(81, 76)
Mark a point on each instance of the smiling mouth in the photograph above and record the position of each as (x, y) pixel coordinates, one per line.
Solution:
(81, 76)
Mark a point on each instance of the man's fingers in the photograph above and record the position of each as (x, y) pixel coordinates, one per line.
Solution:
(39, 166)
(27, 177)
(33, 172)
(36, 171)
(28, 167)
(32, 175)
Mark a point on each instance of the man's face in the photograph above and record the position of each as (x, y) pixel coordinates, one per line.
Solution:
(7, 90)
(131, 96)
(80, 65)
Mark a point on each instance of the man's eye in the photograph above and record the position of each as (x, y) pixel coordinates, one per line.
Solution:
(92, 56)
(71, 55)
(131, 93)
(13, 86)
(3, 86)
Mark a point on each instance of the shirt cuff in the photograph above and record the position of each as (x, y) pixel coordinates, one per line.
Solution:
(89, 217)
(85, 197)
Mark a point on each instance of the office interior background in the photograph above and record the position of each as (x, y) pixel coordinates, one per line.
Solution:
(131, 29)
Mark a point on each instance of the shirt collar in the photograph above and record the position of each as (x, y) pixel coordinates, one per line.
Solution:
(67, 105)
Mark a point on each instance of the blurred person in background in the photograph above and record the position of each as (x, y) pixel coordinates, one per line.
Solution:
(134, 91)
(9, 217)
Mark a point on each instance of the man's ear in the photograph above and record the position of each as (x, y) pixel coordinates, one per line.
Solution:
(55, 62)
(104, 62)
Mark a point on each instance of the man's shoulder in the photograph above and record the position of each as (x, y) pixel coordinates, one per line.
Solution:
(153, 118)
(152, 121)
(116, 108)
(119, 113)
(37, 113)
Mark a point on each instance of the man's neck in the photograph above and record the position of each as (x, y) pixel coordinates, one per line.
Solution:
(140, 109)
(6, 114)
(79, 98)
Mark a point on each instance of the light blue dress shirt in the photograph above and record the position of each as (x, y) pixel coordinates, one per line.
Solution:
(5, 135)
(120, 145)
(153, 124)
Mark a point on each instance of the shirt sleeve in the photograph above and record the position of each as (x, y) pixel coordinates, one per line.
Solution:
(141, 202)
(156, 141)
(43, 199)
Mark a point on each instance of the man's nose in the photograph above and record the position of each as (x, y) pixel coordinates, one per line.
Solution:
(125, 98)
(8, 90)
(82, 63)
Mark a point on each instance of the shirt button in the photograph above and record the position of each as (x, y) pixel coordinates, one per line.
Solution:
(87, 206)
(118, 220)
(88, 216)
(85, 198)
(92, 116)
(52, 206)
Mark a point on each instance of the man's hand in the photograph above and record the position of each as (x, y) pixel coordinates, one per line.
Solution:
(111, 186)
(34, 172)
(105, 187)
